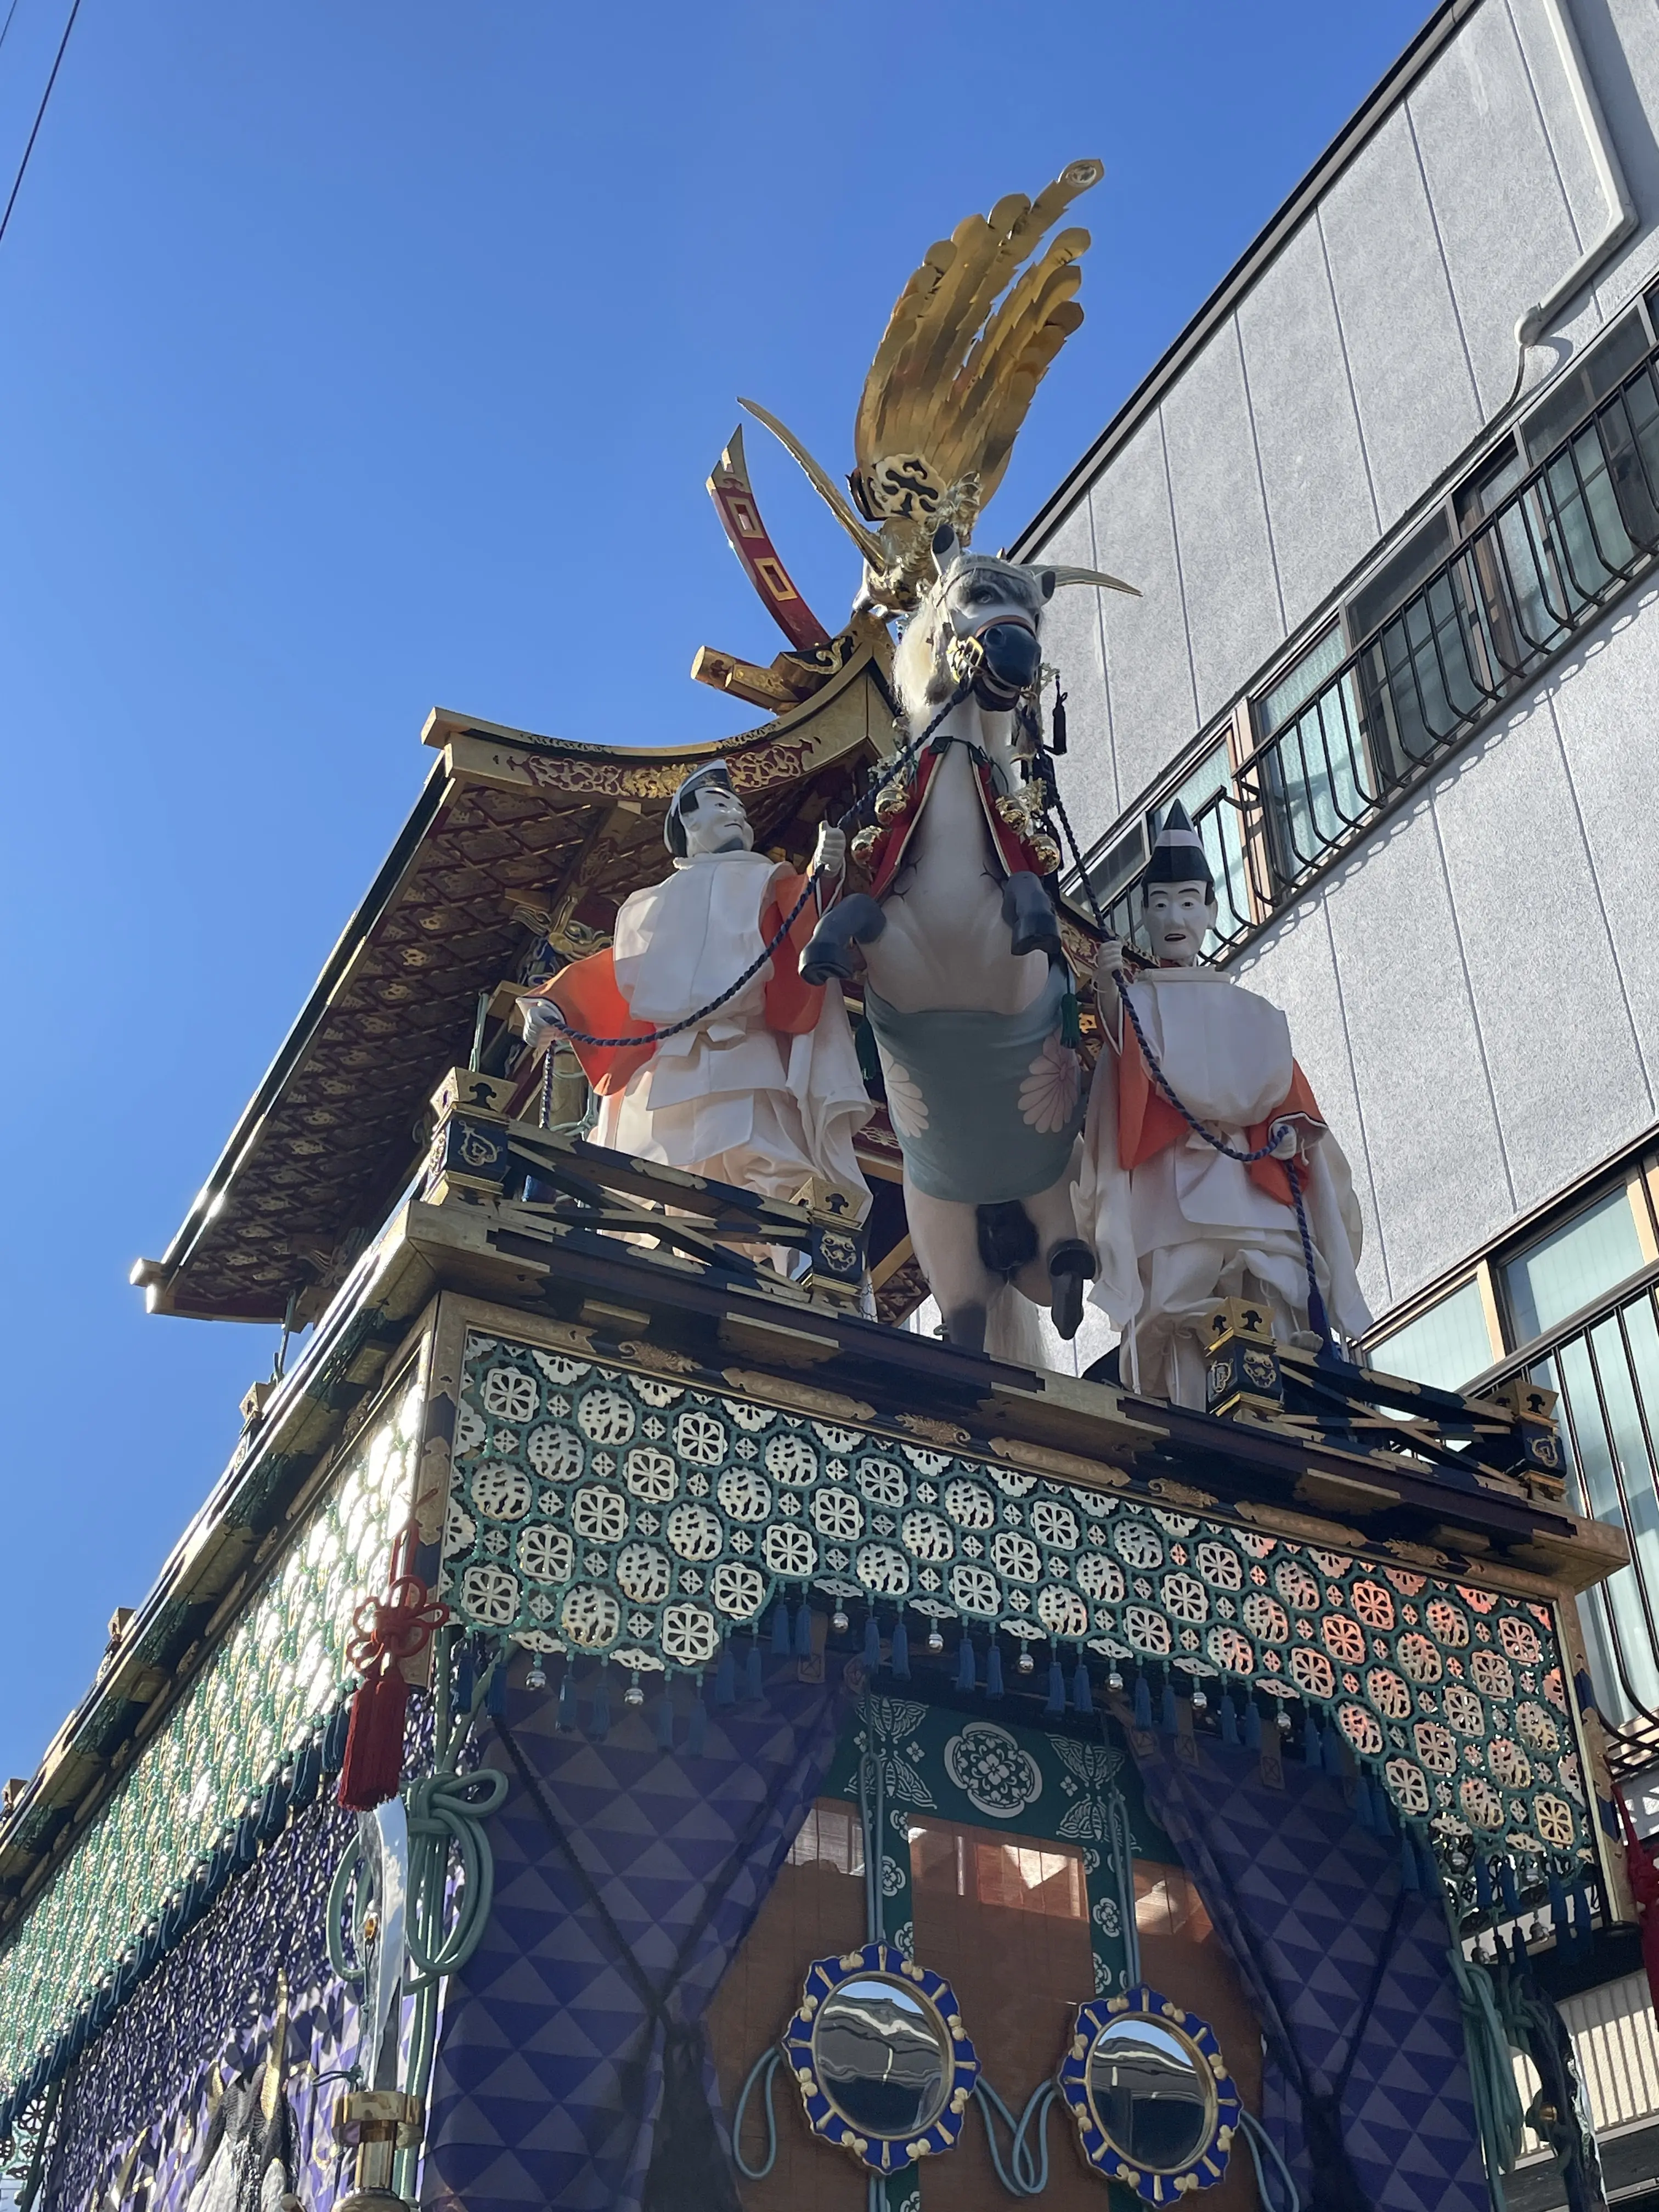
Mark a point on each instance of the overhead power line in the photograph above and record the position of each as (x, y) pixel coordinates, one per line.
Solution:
(39, 114)
(6, 26)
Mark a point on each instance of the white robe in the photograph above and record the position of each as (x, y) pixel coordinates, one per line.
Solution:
(731, 1098)
(1190, 1225)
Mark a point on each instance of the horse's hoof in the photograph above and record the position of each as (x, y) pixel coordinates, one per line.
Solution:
(1030, 914)
(1035, 940)
(1070, 1266)
(827, 958)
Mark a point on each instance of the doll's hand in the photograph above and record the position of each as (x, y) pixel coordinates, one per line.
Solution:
(1110, 960)
(536, 1016)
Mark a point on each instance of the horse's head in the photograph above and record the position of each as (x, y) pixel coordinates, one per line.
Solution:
(979, 621)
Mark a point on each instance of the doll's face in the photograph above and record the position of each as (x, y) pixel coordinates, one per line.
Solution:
(717, 823)
(1178, 919)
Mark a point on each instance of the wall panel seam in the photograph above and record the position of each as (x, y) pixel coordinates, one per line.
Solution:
(1445, 269)
(1181, 573)
(1359, 1106)
(1105, 659)
(1260, 478)
(1600, 903)
(1347, 373)
(1544, 125)
(1474, 1008)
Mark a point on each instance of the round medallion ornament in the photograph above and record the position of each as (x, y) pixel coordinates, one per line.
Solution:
(992, 1772)
(880, 2058)
(1155, 2106)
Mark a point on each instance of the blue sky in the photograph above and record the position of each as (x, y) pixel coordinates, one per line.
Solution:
(357, 357)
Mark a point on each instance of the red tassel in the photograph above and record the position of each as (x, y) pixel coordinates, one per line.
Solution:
(372, 1768)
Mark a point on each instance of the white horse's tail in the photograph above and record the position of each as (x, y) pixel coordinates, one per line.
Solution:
(1011, 1329)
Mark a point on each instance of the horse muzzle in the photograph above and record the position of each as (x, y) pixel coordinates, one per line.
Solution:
(1009, 659)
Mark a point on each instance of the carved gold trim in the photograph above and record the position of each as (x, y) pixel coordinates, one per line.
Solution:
(944, 1433)
(1302, 1527)
(1181, 1494)
(799, 1397)
(1065, 1467)
(657, 1359)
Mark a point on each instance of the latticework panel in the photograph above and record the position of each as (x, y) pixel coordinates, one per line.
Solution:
(279, 1673)
(608, 1512)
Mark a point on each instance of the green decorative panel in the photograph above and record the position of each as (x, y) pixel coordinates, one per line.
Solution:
(608, 1512)
(915, 1763)
(278, 1672)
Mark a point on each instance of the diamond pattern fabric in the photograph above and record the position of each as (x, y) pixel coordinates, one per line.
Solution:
(1310, 1906)
(550, 2085)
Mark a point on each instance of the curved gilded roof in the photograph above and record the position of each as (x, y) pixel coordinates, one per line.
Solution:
(509, 827)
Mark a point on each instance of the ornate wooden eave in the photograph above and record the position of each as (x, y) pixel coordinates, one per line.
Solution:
(511, 827)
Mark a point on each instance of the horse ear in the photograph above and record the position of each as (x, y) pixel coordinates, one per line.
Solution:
(1046, 577)
(946, 546)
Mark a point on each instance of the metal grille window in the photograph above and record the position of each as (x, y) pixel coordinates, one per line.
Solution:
(1616, 2043)
(1207, 794)
(1555, 528)
(1607, 1373)
(1316, 778)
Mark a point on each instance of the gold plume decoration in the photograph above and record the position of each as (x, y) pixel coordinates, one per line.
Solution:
(971, 337)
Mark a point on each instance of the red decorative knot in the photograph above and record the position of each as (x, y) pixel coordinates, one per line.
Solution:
(398, 1624)
(388, 1629)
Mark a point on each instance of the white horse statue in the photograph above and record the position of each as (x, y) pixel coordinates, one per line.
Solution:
(966, 986)
(965, 981)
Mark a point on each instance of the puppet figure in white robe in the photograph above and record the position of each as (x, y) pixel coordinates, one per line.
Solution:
(1175, 1224)
(766, 1092)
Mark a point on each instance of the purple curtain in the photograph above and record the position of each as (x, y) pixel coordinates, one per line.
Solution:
(1366, 2087)
(627, 1876)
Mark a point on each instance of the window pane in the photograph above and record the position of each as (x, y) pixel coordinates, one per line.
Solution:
(1447, 1346)
(1627, 1643)
(1111, 872)
(1577, 1264)
(1224, 840)
(831, 1835)
(1298, 685)
(1582, 385)
(1398, 578)
(1484, 493)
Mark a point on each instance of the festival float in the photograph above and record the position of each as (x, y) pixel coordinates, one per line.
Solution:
(640, 1723)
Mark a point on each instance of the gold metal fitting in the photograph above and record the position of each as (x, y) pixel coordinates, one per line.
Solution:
(965, 657)
(1046, 853)
(865, 844)
(891, 800)
(377, 2124)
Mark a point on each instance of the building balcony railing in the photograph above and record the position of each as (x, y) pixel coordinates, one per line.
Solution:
(1529, 577)
(1604, 1363)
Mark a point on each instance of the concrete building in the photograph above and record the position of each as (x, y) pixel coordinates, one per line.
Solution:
(1392, 500)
